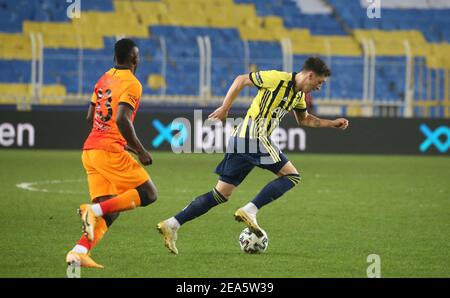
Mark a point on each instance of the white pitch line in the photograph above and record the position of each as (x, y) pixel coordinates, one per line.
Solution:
(31, 186)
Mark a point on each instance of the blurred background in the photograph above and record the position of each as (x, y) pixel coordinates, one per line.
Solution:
(388, 58)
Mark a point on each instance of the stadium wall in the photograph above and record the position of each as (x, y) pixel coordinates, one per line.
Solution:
(188, 132)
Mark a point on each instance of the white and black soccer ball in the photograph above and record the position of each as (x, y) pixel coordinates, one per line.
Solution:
(250, 243)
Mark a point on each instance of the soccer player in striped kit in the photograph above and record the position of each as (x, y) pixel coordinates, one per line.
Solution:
(250, 145)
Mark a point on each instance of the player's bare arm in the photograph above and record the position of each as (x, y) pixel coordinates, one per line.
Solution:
(309, 120)
(90, 114)
(239, 83)
(126, 128)
(128, 148)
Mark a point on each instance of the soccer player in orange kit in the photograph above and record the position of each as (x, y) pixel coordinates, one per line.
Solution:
(117, 182)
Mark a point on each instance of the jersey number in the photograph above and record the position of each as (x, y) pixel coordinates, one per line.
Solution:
(104, 98)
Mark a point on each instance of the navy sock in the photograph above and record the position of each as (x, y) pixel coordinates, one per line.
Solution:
(275, 189)
(200, 206)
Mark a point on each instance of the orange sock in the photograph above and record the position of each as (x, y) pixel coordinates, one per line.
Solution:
(100, 229)
(125, 201)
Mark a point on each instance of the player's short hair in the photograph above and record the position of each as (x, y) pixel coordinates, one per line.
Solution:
(123, 49)
(317, 65)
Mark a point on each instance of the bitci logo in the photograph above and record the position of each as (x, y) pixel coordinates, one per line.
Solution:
(165, 133)
(207, 136)
(439, 138)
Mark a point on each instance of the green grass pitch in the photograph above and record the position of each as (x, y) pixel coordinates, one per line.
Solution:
(346, 208)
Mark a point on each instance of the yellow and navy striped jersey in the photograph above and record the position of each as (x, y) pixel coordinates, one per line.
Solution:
(276, 97)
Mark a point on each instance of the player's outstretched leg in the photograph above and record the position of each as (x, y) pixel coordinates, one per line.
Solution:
(199, 206)
(82, 260)
(272, 191)
(80, 253)
(142, 196)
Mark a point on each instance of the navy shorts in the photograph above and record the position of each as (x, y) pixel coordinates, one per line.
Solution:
(236, 165)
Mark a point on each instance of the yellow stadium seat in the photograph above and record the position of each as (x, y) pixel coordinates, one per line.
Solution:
(20, 89)
(133, 18)
(53, 94)
(15, 46)
(273, 22)
(123, 6)
(156, 81)
(253, 67)
(15, 89)
(223, 19)
(54, 90)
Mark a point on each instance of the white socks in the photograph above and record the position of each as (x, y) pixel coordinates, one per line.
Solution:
(250, 208)
(97, 210)
(80, 249)
(173, 223)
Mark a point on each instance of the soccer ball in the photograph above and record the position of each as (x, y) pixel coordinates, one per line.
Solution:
(250, 243)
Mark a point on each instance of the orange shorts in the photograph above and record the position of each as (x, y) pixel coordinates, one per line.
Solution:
(112, 173)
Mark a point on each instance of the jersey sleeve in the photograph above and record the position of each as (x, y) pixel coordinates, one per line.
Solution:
(265, 78)
(301, 105)
(131, 95)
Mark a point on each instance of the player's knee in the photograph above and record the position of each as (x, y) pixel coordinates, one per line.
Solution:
(103, 198)
(225, 195)
(294, 178)
(147, 197)
(225, 190)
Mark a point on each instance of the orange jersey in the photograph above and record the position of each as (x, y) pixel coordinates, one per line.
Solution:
(116, 86)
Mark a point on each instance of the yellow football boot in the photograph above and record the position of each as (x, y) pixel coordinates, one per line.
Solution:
(170, 236)
(82, 260)
(89, 220)
(250, 220)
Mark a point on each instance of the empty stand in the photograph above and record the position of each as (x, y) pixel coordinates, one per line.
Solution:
(245, 35)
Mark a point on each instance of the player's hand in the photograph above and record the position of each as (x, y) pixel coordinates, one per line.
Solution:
(145, 158)
(219, 114)
(340, 123)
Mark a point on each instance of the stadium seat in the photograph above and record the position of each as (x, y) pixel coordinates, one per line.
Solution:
(333, 29)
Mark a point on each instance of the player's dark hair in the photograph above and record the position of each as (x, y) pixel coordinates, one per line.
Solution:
(317, 65)
(123, 49)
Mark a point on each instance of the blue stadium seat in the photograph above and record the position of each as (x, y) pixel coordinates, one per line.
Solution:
(99, 5)
(227, 48)
(432, 22)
